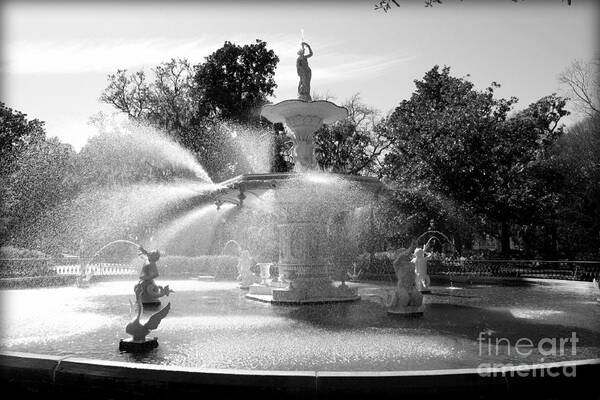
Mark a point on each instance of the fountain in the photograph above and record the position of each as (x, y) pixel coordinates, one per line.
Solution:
(217, 339)
(302, 202)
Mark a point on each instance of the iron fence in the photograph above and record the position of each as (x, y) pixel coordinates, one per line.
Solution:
(566, 270)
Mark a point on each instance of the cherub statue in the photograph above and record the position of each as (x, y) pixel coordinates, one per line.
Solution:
(245, 275)
(420, 262)
(405, 299)
(150, 291)
(304, 72)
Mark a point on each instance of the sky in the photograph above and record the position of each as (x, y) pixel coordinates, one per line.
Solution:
(56, 55)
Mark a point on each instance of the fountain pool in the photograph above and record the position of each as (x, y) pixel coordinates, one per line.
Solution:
(212, 325)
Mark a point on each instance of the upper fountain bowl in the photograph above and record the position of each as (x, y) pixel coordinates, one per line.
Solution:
(327, 111)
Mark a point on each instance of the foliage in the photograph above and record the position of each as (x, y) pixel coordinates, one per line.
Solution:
(460, 143)
(583, 83)
(406, 213)
(191, 103)
(125, 152)
(36, 172)
(16, 133)
(168, 102)
(42, 178)
(354, 145)
(235, 81)
(577, 160)
(386, 5)
(281, 151)
(7, 252)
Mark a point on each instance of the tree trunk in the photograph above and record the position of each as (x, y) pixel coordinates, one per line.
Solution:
(505, 238)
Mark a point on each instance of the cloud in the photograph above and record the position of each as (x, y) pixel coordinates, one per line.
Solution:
(88, 55)
(343, 67)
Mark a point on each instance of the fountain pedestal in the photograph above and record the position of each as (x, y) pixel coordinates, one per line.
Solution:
(302, 232)
(302, 259)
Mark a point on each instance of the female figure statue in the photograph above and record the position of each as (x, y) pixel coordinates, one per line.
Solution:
(304, 72)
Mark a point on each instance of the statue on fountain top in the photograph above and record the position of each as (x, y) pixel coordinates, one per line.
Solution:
(304, 72)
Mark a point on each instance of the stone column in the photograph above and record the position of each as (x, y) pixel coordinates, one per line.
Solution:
(303, 127)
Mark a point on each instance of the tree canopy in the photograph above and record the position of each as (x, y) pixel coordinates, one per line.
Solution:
(386, 5)
(461, 143)
(190, 103)
(234, 81)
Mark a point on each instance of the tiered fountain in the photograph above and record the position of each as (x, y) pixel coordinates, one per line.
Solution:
(302, 202)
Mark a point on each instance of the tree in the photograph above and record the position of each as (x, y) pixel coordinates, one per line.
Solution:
(191, 104)
(354, 145)
(460, 143)
(235, 81)
(168, 103)
(583, 86)
(42, 177)
(530, 189)
(16, 134)
(577, 160)
(386, 5)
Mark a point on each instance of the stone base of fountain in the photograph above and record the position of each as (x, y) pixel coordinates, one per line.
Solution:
(138, 346)
(408, 312)
(317, 294)
(260, 289)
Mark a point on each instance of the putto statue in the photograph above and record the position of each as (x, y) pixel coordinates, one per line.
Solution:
(406, 299)
(245, 275)
(150, 292)
(304, 72)
(420, 261)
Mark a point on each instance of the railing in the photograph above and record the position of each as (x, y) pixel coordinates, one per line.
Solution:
(100, 269)
(43, 267)
(567, 270)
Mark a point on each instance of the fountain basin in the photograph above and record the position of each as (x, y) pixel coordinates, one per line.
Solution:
(28, 374)
(282, 112)
(213, 325)
(217, 340)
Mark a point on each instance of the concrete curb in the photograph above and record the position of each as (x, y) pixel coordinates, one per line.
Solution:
(72, 377)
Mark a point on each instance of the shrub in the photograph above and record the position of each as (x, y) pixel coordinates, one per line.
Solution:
(376, 269)
(17, 252)
(16, 262)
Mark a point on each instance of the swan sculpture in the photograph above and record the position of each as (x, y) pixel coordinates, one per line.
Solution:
(138, 330)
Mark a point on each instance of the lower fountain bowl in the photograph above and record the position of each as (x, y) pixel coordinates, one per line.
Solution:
(64, 341)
